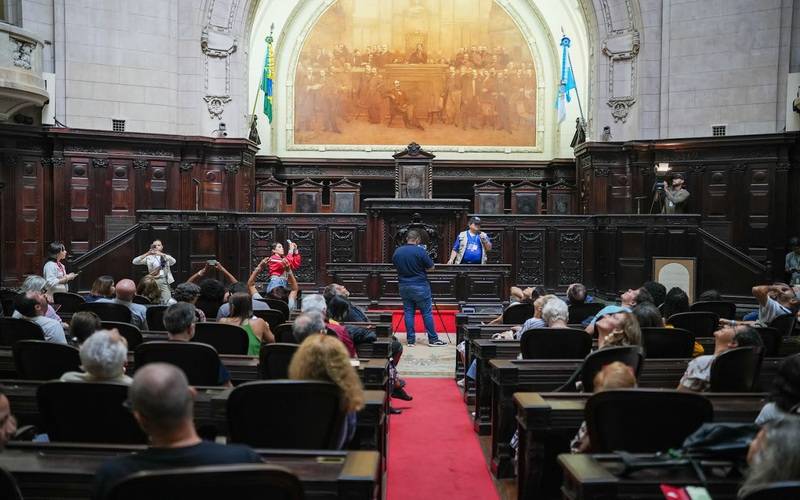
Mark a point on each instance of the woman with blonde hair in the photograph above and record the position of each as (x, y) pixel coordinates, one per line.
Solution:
(324, 357)
(617, 328)
(148, 288)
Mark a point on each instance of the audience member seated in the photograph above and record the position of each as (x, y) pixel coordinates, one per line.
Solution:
(83, 324)
(555, 314)
(576, 294)
(648, 316)
(339, 311)
(189, 292)
(308, 324)
(238, 288)
(102, 288)
(698, 374)
(773, 455)
(32, 306)
(8, 424)
(37, 284)
(321, 357)
(162, 403)
(288, 295)
(103, 358)
(148, 288)
(773, 301)
(616, 326)
(657, 291)
(784, 398)
(536, 321)
(240, 306)
(616, 375)
(316, 302)
(675, 302)
(628, 300)
(212, 296)
(519, 296)
(179, 320)
(354, 314)
(709, 295)
(126, 289)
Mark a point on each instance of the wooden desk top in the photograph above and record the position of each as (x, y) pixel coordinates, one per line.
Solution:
(48, 470)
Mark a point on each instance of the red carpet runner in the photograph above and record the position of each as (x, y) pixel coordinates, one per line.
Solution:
(433, 451)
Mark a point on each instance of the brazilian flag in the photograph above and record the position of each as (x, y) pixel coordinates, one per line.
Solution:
(266, 80)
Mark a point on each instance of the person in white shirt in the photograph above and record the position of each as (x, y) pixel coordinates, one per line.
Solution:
(54, 271)
(32, 306)
(103, 358)
(158, 265)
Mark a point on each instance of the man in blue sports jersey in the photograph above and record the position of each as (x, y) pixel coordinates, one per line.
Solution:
(471, 246)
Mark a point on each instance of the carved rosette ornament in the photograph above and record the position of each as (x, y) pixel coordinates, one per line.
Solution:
(140, 164)
(99, 162)
(216, 104)
(601, 172)
(186, 166)
(232, 168)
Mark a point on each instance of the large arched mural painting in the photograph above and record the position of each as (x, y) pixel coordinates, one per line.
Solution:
(377, 72)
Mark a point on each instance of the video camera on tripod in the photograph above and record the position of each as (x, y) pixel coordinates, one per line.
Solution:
(662, 172)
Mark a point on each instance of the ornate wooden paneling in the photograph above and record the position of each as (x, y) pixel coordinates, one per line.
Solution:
(531, 255)
(570, 256)
(307, 242)
(343, 245)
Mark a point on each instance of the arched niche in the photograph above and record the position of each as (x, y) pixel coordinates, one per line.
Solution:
(539, 22)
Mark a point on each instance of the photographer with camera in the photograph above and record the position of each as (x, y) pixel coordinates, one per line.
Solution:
(675, 196)
(158, 264)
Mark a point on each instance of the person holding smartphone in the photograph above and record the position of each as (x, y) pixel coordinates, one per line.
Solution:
(158, 265)
(54, 271)
(280, 264)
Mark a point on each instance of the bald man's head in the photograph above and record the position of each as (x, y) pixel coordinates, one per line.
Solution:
(161, 397)
(126, 289)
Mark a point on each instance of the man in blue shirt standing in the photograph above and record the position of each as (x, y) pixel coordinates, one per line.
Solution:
(471, 246)
(413, 263)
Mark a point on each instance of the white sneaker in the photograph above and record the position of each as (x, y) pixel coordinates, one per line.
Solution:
(460, 383)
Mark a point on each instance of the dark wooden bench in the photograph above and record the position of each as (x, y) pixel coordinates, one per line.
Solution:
(547, 422)
(510, 376)
(209, 412)
(598, 476)
(66, 471)
(463, 320)
(372, 370)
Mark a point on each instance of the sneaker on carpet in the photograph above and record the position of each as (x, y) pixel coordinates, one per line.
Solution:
(437, 343)
(412, 344)
(400, 393)
(460, 383)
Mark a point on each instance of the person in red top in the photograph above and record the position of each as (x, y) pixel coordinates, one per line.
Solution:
(279, 264)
